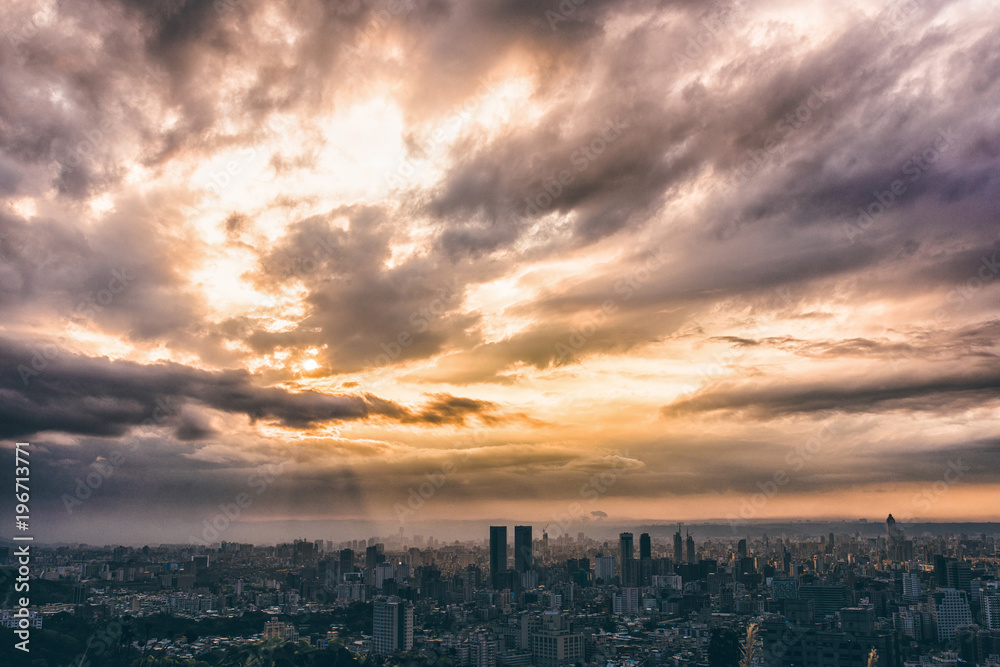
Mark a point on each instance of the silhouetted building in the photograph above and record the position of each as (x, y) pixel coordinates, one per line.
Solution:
(645, 547)
(625, 547)
(498, 555)
(523, 560)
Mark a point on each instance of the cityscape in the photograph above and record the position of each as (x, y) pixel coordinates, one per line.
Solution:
(499, 333)
(520, 597)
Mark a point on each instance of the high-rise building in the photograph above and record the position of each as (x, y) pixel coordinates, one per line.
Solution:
(678, 547)
(951, 610)
(555, 644)
(626, 602)
(989, 601)
(604, 568)
(691, 556)
(346, 560)
(741, 549)
(523, 560)
(392, 628)
(645, 547)
(625, 548)
(911, 587)
(482, 650)
(498, 555)
(373, 556)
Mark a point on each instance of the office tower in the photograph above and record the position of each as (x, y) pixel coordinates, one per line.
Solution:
(555, 644)
(346, 561)
(625, 547)
(482, 650)
(384, 572)
(827, 599)
(741, 549)
(498, 555)
(911, 587)
(626, 602)
(691, 557)
(374, 556)
(894, 542)
(951, 610)
(989, 601)
(645, 547)
(604, 568)
(522, 549)
(678, 546)
(392, 627)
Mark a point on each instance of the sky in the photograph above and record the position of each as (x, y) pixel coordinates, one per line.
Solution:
(388, 263)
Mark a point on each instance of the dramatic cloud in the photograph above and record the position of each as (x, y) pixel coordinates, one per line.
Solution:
(525, 246)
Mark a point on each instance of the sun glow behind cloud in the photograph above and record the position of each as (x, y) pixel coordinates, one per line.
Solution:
(332, 248)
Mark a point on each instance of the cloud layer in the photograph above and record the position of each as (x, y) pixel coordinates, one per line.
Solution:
(528, 240)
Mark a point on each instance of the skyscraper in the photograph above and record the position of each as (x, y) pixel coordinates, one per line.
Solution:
(625, 547)
(498, 555)
(691, 557)
(645, 547)
(678, 546)
(604, 568)
(346, 560)
(950, 610)
(392, 627)
(523, 560)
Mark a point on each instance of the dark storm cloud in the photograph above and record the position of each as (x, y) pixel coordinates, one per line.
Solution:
(46, 388)
(938, 393)
(453, 410)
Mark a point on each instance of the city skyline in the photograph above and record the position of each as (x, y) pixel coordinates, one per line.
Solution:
(278, 268)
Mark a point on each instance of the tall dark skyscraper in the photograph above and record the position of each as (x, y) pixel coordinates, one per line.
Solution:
(374, 556)
(645, 547)
(691, 557)
(625, 547)
(346, 560)
(678, 546)
(498, 554)
(522, 548)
